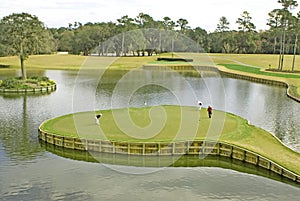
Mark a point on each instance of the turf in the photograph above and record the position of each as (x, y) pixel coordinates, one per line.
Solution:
(179, 124)
(263, 61)
(182, 123)
(257, 71)
(72, 62)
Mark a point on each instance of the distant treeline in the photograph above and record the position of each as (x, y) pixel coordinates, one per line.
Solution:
(143, 35)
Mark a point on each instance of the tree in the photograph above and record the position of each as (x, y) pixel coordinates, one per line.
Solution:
(86, 39)
(245, 24)
(246, 28)
(223, 35)
(286, 16)
(296, 28)
(198, 35)
(144, 21)
(168, 24)
(288, 4)
(274, 22)
(125, 24)
(24, 33)
(66, 40)
(223, 25)
(183, 25)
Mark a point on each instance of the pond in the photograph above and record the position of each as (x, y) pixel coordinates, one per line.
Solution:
(31, 171)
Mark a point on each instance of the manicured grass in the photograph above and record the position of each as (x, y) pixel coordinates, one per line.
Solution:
(86, 128)
(54, 61)
(257, 60)
(235, 131)
(72, 62)
(257, 71)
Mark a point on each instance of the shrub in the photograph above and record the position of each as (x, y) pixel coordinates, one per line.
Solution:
(32, 81)
(39, 78)
(43, 84)
(1, 83)
(12, 83)
(25, 87)
(52, 82)
(43, 79)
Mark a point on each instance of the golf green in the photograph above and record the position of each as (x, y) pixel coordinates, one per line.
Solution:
(159, 123)
(170, 123)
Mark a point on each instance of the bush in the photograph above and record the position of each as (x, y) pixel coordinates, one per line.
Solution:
(39, 78)
(11, 83)
(43, 79)
(52, 82)
(43, 84)
(25, 87)
(1, 83)
(32, 81)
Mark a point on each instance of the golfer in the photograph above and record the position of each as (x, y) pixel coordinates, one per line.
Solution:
(209, 111)
(199, 103)
(97, 117)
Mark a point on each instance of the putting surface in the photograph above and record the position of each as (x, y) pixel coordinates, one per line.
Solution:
(158, 123)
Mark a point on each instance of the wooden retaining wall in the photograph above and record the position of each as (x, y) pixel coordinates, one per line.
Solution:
(166, 67)
(180, 67)
(262, 81)
(196, 147)
(227, 74)
(30, 90)
(254, 79)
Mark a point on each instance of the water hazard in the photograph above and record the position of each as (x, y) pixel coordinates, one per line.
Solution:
(31, 171)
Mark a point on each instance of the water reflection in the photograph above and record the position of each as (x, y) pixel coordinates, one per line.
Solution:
(164, 161)
(16, 137)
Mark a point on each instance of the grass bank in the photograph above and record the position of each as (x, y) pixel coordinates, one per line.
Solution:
(257, 64)
(235, 130)
(262, 61)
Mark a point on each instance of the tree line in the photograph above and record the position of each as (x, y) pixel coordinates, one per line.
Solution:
(24, 34)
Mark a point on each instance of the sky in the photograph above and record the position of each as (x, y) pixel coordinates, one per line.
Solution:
(199, 13)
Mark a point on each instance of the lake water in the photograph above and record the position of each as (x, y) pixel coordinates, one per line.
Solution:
(31, 171)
